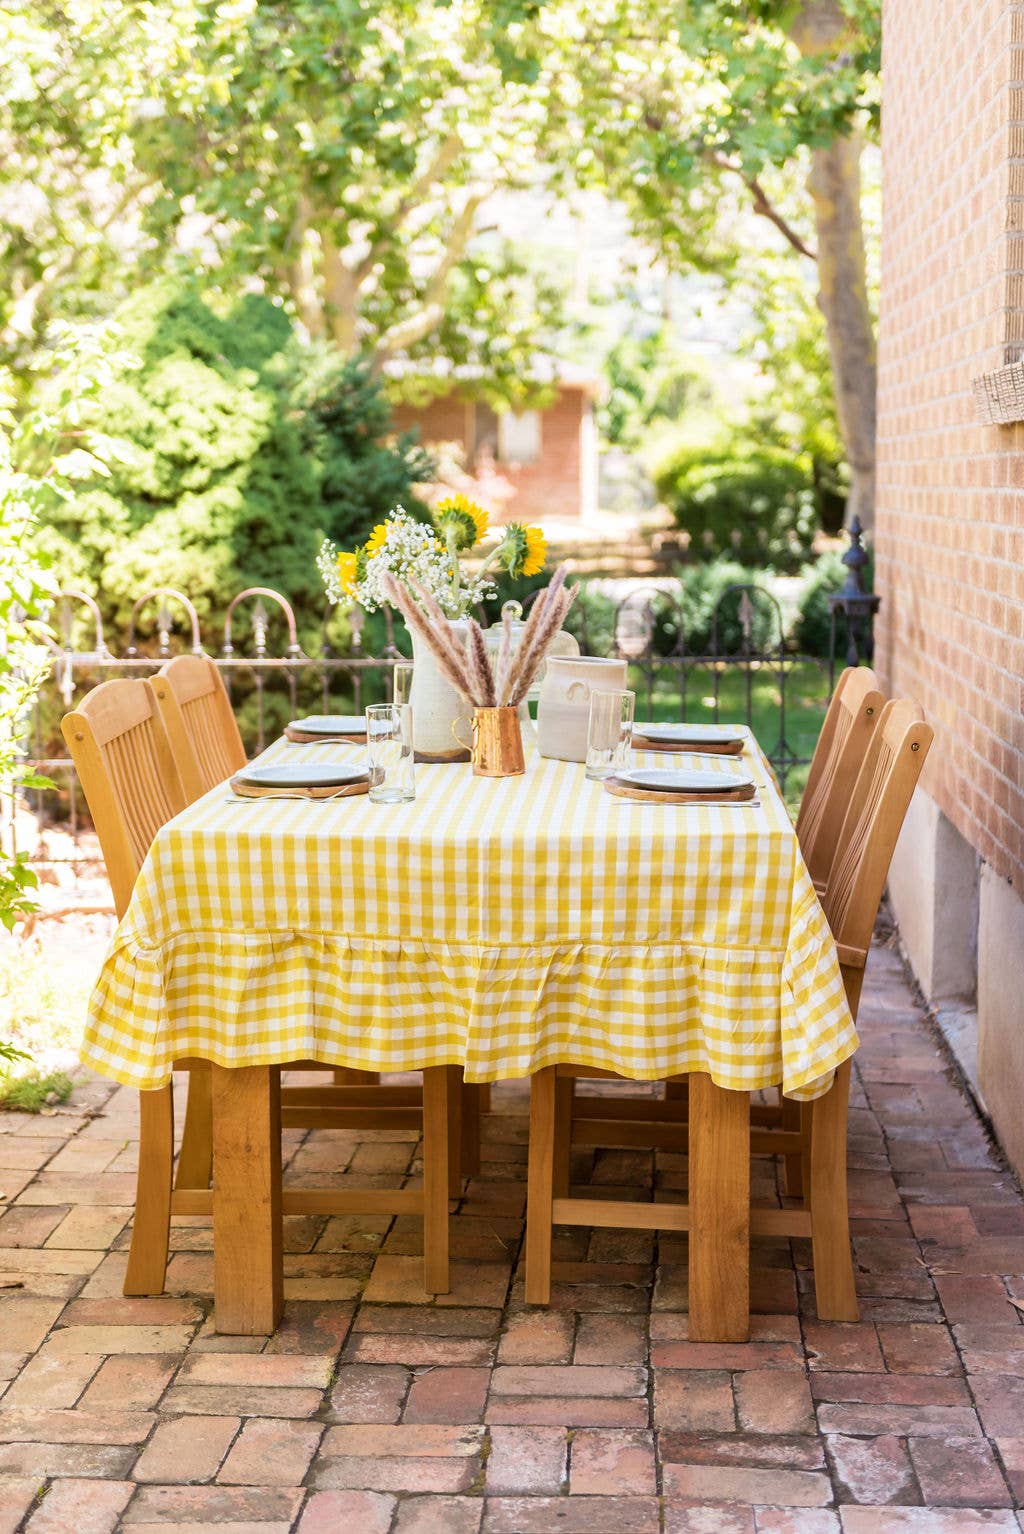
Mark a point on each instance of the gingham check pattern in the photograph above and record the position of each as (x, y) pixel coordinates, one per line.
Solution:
(499, 924)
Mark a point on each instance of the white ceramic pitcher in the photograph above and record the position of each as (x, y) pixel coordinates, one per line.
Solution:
(563, 709)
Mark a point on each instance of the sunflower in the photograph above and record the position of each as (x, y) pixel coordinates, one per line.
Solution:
(462, 518)
(348, 572)
(524, 550)
(376, 540)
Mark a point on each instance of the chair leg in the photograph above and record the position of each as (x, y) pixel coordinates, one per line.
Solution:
(565, 1095)
(540, 1185)
(469, 1149)
(454, 1106)
(151, 1228)
(437, 1086)
(834, 1288)
(794, 1169)
(195, 1159)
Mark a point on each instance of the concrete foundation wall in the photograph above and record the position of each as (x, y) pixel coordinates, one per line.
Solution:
(1001, 1011)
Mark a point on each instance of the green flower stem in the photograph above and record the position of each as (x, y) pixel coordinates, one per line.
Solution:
(450, 537)
(493, 556)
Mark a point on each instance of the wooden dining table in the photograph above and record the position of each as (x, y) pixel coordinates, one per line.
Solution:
(495, 925)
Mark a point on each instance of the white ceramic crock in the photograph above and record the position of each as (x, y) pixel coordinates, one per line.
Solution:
(563, 710)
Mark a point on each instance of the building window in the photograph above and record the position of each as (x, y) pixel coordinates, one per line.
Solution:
(519, 437)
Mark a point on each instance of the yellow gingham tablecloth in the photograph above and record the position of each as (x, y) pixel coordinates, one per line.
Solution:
(498, 924)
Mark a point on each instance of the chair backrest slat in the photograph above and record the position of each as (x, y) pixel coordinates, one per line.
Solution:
(874, 816)
(124, 762)
(850, 723)
(200, 722)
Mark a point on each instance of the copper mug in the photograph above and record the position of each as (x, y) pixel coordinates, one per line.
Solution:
(497, 749)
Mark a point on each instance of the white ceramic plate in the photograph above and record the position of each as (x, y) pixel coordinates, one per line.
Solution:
(667, 780)
(331, 724)
(699, 734)
(302, 775)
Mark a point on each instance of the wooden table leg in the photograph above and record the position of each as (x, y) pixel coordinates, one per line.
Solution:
(248, 1278)
(540, 1185)
(719, 1213)
(438, 1082)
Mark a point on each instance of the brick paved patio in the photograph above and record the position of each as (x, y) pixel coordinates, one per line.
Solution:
(373, 1411)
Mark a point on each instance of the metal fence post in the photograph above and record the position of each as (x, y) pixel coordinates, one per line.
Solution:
(857, 605)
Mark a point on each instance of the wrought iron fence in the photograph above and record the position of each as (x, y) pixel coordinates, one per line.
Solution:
(743, 669)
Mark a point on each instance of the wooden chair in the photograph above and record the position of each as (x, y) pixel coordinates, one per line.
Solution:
(199, 721)
(878, 804)
(123, 756)
(850, 722)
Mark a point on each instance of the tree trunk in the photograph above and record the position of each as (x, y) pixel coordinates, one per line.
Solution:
(822, 27)
(834, 185)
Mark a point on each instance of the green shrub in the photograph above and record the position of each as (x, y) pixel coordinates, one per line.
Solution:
(239, 451)
(754, 504)
(813, 626)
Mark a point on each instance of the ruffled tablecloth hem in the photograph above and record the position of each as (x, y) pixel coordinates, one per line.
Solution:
(748, 1017)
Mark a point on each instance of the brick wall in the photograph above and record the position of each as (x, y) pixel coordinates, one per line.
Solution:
(950, 529)
(551, 487)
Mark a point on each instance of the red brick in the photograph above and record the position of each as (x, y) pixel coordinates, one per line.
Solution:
(923, 1421)
(271, 1452)
(526, 1459)
(802, 1451)
(256, 1369)
(722, 1518)
(186, 1449)
(447, 1395)
(612, 1463)
(48, 1381)
(367, 1393)
(568, 1411)
(572, 1515)
(926, 1520)
(697, 1400)
(918, 1350)
(774, 1401)
(212, 1506)
(611, 1340)
(958, 1472)
(876, 1470)
(439, 1515)
(726, 1355)
(81, 1507)
(418, 1352)
(327, 1512)
(131, 1382)
(569, 1380)
(843, 1349)
(1000, 1402)
(721, 1483)
(537, 1337)
(891, 1389)
(16, 1497)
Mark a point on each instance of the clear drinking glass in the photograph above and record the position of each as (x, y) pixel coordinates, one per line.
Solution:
(401, 683)
(389, 753)
(610, 733)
